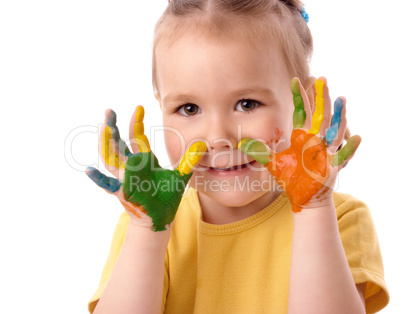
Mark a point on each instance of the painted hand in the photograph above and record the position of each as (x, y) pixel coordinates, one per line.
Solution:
(149, 193)
(307, 170)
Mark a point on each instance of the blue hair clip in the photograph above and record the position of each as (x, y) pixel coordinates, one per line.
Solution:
(304, 15)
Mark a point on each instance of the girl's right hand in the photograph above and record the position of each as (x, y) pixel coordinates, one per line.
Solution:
(149, 193)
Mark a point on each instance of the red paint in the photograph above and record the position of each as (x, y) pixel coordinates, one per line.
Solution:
(278, 136)
(303, 169)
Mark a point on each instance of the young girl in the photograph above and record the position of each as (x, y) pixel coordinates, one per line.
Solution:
(259, 229)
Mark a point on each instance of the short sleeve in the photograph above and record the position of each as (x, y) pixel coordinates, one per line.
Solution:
(117, 243)
(362, 249)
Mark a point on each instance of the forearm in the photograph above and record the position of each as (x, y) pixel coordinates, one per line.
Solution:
(320, 277)
(136, 283)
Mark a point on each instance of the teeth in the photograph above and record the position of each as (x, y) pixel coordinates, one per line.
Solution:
(232, 168)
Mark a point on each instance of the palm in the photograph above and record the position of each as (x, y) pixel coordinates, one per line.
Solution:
(151, 188)
(311, 170)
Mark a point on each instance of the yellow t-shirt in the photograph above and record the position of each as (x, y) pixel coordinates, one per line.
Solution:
(243, 267)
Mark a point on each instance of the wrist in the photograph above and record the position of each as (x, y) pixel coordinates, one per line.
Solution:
(316, 224)
(146, 237)
(318, 205)
(316, 213)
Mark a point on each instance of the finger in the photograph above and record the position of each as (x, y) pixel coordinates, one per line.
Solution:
(110, 185)
(256, 150)
(138, 140)
(119, 146)
(318, 115)
(302, 112)
(299, 114)
(327, 108)
(342, 157)
(109, 158)
(121, 150)
(335, 133)
(192, 156)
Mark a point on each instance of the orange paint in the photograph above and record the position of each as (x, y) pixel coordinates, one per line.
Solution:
(303, 169)
(133, 211)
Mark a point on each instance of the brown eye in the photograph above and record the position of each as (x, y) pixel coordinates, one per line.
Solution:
(246, 105)
(188, 110)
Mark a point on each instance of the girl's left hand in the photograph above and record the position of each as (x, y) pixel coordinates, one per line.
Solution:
(307, 170)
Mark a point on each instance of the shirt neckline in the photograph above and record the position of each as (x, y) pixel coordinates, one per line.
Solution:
(238, 226)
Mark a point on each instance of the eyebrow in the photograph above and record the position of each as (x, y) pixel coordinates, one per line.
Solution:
(263, 91)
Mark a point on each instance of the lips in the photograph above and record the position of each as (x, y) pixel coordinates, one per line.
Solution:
(237, 167)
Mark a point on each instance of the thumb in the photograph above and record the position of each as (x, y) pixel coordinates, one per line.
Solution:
(192, 156)
(256, 150)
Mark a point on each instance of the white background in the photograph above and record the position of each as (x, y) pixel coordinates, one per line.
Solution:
(62, 63)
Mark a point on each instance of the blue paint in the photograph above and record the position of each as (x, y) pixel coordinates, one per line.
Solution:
(123, 149)
(335, 122)
(111, 120)
(110, 184)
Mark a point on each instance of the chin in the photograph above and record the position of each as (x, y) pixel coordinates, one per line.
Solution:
(231, 196)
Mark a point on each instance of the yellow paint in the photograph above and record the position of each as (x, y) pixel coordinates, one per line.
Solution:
(318, 115)
(108, 154)
(192, 156)
(139, 136)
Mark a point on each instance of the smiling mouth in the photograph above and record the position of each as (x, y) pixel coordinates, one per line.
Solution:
(232, 168)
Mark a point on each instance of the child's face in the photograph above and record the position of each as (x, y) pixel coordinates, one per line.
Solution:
(222, 93)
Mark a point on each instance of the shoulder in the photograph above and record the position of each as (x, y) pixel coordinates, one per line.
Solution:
(362, 248)
(354, 219)
(347, 204)
(342, 199)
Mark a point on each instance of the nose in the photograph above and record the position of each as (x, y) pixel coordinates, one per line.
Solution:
(222, 133)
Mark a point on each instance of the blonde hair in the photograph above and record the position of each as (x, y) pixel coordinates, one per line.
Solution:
(250, 21)
(247, 20)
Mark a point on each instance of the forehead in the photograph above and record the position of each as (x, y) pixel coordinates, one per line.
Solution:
(198, 62)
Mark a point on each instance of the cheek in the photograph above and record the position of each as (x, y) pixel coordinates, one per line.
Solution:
(177, 141)
(179, 135)
(280, 139)
(273, 129)
(175, 145)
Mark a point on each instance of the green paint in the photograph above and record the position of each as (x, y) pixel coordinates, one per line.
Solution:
(256, 150)
(157, 190)
(347, 151)
(299, 115)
